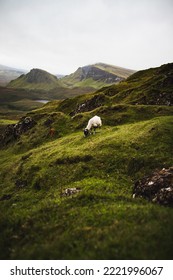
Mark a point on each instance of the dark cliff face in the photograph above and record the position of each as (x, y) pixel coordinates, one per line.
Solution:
(98, 75)
(40, 76)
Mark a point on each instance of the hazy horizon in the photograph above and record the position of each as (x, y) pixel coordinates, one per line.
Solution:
(60, 36)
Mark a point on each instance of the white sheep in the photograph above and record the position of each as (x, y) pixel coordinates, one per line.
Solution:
(93, 123)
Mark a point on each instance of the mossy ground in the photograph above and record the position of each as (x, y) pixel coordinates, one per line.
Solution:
(102, 221)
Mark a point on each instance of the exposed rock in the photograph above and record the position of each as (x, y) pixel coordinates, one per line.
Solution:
(158, 187)
(99, 74)
(96, 73)
(13, 131)
(5, 197)
(164, 98)
(89, 105)
(70, 191)
(165, 196)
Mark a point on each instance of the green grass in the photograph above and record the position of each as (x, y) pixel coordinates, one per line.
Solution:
(6, 122)
(35, 79)
(102, 221)
(149, 87)
(90, 83)
(17, 102)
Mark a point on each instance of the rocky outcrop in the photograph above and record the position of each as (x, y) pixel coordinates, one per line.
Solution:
(70, 191)
(99, 75)
(13, 131)
(96, 76)
(89, 105)
(158, 187)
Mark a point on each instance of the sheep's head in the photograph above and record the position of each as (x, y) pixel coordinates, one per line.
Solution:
(86, 132)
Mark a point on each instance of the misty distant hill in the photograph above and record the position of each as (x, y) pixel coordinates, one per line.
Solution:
(8, 73)
(91, 76)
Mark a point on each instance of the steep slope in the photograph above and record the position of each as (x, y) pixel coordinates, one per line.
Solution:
(41, 219)
(8, 73)
(116, 70)
(35, 79)
(96, 76)
(151, 86)
(148, 87)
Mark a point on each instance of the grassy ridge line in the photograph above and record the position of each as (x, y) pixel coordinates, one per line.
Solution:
(151, 86)
(119, 71)
(103, 221)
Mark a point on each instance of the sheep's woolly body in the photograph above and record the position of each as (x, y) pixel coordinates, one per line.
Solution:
(94, 122)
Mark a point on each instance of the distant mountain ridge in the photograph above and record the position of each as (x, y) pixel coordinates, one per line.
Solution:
(90, 77)
(96, 76)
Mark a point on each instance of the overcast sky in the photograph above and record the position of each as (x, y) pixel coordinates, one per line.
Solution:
(61, 35)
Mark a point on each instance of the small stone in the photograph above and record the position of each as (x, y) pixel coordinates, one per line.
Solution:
(70, 191)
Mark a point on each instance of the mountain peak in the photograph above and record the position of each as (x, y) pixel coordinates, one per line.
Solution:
(36, 78)
(40, 76)
(96, 75)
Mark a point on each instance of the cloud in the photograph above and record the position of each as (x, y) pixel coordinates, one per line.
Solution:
(59, 36)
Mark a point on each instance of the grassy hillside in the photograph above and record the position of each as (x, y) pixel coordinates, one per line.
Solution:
(151, 86)
(102, 220)
(35, 79)
(16, 102)
(37, 222)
